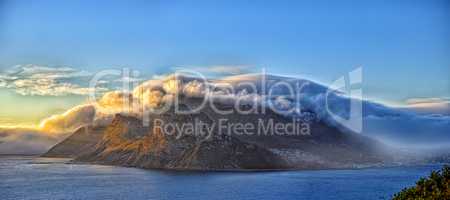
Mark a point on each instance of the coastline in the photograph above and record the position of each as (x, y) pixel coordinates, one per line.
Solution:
(358, 167)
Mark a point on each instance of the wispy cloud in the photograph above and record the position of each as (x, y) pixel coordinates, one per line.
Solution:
(219, 70)
(415, 101)
(46, 81)
(228, 70)
(429, 105)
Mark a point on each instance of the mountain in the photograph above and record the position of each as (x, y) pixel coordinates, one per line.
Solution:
(310, 137)
(127, 142)
(82, 140)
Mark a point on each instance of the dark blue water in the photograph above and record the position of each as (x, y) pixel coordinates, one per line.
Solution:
(44, 178)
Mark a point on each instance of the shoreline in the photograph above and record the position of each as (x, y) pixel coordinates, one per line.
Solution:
(374, 166)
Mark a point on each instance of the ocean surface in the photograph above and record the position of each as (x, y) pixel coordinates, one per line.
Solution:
(27, 177)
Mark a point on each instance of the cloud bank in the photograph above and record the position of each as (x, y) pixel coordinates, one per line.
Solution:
(25, 141)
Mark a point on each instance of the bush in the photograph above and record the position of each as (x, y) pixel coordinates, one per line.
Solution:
(436, 186)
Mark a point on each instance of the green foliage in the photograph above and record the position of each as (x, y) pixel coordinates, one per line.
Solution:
(436, 186)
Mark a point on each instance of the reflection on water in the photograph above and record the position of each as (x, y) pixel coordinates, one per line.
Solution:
(49, 178)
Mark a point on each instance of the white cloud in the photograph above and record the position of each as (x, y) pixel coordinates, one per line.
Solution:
(429, 105)
(69, 121)
(415, 101)
(221, 70)
(46, 81)
(228, 70)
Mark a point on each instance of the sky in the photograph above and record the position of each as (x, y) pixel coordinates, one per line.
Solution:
(403, 46)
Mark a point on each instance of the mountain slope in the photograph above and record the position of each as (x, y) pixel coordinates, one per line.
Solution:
(126, 142)
(84, 139)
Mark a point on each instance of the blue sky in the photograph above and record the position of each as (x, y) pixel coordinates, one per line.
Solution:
(403, 46)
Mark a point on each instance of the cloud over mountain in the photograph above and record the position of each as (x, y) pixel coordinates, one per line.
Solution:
(382, 122)
(249, 90)
(69, 121)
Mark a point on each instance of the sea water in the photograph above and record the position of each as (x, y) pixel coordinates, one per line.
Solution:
(28, 177)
